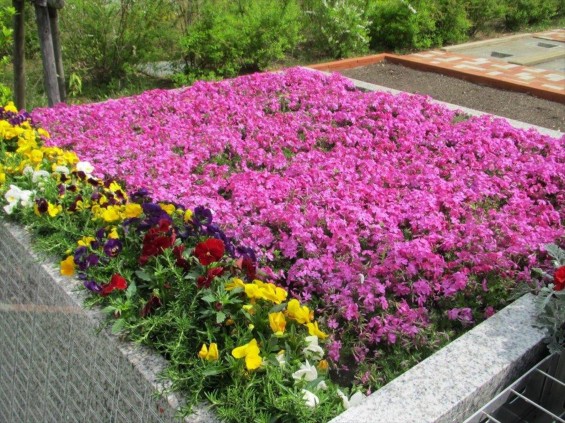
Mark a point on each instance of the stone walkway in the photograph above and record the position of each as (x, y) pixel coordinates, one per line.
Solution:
(547, 80)
(526, 76)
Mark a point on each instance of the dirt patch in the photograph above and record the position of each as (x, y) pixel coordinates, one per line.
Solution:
(513, 105)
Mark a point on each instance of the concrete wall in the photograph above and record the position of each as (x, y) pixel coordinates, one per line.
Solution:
(55, 363)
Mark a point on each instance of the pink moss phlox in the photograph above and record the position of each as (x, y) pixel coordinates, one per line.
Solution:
(380, 202)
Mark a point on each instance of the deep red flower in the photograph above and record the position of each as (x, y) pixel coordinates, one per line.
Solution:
(180, 260)
(116, 282)
(156, 240)
(249, 267)
(153, 303)
(559, 279)
(206, 281)
(209, 251)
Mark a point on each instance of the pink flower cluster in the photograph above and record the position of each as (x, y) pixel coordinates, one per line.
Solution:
(379, 205)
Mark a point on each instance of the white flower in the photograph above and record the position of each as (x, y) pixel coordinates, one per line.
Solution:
(62, 169)
(356, 399)
(280, 358)
(16, 195)
(28, 170)
(310, 399)
(85, 167)
(322, 386)
(312, 348)
(306, 372)
(38, 175)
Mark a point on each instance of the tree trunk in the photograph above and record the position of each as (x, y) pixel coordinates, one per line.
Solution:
(19, 56)
(54, 23)
(47, 53)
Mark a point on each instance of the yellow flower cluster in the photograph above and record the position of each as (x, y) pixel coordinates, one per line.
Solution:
(259, 290)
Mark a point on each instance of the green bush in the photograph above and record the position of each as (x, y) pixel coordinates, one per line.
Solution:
(337, 28)
(451, 21)
(229, 38)
(485, 14)
(6, 14)
(521, 13)
(104, 40)
(397, 25)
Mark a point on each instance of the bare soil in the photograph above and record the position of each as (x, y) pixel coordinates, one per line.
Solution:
(509, 104)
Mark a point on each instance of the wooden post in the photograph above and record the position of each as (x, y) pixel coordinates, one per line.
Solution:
(19, 54)
(47, 52)
(54, 23)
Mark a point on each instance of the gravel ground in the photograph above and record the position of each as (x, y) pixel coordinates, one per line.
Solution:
(513, 105)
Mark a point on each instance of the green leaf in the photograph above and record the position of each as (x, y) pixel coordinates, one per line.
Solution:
(118, 326)
(209, 298)
(143, 275)
(131, 291)
(109, 309)
(220, 317)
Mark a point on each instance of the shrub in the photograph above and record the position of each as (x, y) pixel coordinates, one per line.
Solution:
(400, 26)
(484, 14)
(229, 38)
(521, 13)
(104, 40)
(452, 23)
(337, 28)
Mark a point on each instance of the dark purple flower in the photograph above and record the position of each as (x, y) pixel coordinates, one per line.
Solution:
(42, 205)
(61, 189)
(202, 216)
(113, 247)
(84, 260)
(141, 196)
(92, 286)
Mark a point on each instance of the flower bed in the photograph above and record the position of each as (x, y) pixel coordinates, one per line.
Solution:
(383, 207)
(394, 217)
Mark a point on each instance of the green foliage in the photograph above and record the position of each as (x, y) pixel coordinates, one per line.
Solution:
(229, 38)
(521, 13)
(337, 28)
(6, 14)
(399, 26)
(484, 14)
(105, 40)
(452, 22)
(550, 302)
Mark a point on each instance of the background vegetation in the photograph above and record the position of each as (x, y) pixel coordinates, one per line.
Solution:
(107, 44)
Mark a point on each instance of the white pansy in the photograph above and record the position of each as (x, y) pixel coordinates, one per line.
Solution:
(38, 175)
(15, 196)
(281, 358)
(28, 170)
(322, 386)
(306, 372)
(62, 169)
(85, 167)
(312, 348)
(310, 399)
(356, 399)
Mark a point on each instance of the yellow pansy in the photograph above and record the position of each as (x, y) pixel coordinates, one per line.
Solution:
(323, 365)
(235, 283)
(188, 215)
(2, 178)
(301, 314)
(111, 214)
(314, 330)
(11, 107)
(133, 210)
(43, 133)
(36, 156)
(168, 208)
(53, 210)
(85, 241)
(252, 291)
(277, 323)
(210, 354)
(114, 233)
(68, 266)
(273, 293)
(251, 353)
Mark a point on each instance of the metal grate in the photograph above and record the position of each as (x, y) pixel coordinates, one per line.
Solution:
(537, 397)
